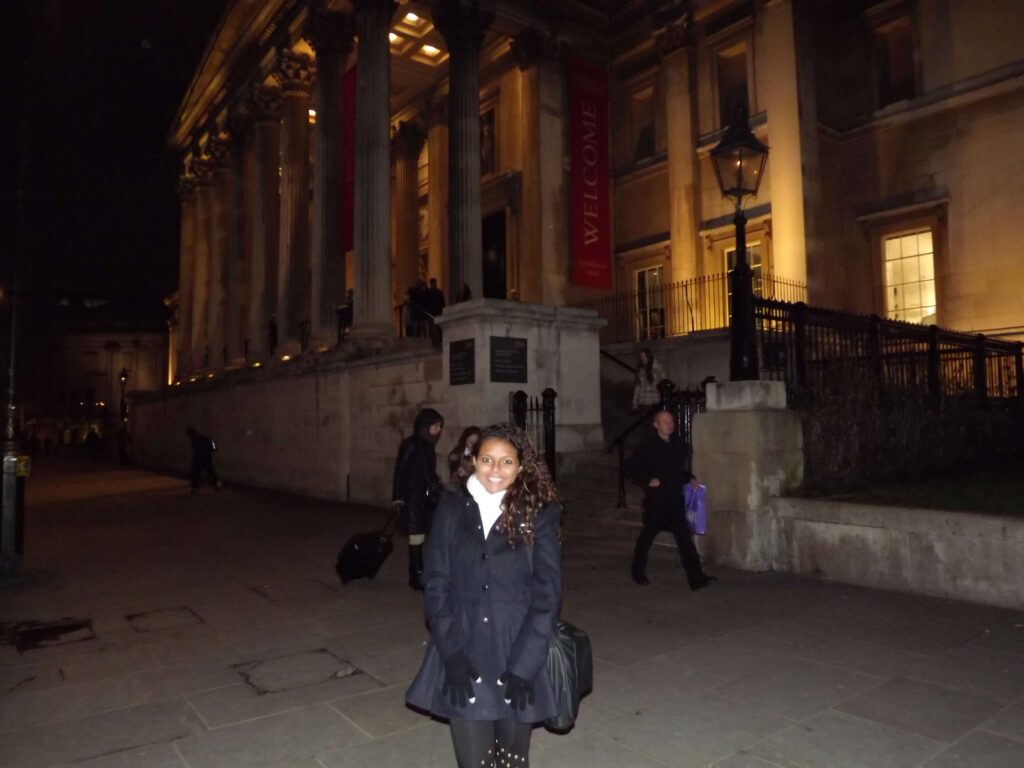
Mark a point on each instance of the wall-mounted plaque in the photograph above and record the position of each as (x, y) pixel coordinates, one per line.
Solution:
(461, 362)
(508, 359)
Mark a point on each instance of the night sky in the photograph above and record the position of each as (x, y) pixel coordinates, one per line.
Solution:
(102, 81)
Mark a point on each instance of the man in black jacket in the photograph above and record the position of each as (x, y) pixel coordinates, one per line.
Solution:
(661, 466)
(202, 459)
(416, 486)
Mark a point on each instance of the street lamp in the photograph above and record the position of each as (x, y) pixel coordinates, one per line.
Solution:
(739, 160)
(123, 378)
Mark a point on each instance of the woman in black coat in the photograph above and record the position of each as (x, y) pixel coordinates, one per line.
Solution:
(493, 577)
(416, 488)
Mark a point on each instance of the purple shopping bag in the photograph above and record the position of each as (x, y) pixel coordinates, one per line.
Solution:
(696, 503)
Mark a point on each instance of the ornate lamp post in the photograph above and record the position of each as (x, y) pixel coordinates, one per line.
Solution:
(123, 378)
(739, 160)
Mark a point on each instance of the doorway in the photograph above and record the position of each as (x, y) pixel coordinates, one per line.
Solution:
(493, 237)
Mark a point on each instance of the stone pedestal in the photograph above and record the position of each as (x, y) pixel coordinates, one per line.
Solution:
(561, 351)
(747, 448)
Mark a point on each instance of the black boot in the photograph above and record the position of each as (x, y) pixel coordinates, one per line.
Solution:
(416, 567)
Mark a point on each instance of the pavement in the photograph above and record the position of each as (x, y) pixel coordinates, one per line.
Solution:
(154, 629)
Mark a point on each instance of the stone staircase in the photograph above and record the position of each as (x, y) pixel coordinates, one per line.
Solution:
(588, 484)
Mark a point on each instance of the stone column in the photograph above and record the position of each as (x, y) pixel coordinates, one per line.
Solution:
(545, 219)
(675, 45)
(437, 194)
(220, 245)
(239, 242)
(333, 38)
(261, 299)
(407, 143)
(373, 310)
(295, 73)
(462, 24)
(203, 171)
(187, 194)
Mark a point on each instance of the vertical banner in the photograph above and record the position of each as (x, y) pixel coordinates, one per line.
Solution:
(347, 214)
(588, 147)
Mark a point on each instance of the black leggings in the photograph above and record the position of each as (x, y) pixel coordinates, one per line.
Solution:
(491, 743)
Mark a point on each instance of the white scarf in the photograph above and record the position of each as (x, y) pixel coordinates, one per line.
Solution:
(489, 503)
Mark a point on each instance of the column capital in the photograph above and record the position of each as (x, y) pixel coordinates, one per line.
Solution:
(202, 170)
(295, 72)
(675, 36)
(532, 44)
(462, 23)
(369, 5)
(331, 34)
(408, 139)
(186, 186)
(220, 147)
(265, 102)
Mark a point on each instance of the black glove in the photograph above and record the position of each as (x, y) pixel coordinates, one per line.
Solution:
(518, 692)
(459, 677)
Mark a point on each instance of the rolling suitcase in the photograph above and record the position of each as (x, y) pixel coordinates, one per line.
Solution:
(364, 554)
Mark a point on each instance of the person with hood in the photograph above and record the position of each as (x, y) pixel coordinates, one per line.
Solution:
(202, 460)
(416, 486)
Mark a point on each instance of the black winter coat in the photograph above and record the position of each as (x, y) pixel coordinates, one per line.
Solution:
(415, 474)
(484, 598)
(669, 461)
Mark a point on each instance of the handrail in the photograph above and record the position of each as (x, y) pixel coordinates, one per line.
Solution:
(618, 361)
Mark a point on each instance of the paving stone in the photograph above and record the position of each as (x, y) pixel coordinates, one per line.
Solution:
(639, 687)
(590, 750)
(297, 670)
(866, 658)
(837, 740)
(380, 712)
(728, 657)
(694, 731)
(1009, 722)
(170, 618)
(294, 590)
(269, 742)
(797, 689)
(427, 746)
(977, 670)
(981, 750)
(158, 756)
(29, 678)
(743, 760)
(100, 734)
(922, 708)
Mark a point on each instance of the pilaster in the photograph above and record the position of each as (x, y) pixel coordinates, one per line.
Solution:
(187, 196)
(373, 309)
(406, 146)
(220, 149)
(437, 193)
(332, 36)
(462, 24)
(261, 287)
(202, 169)
(295, 74)
(676, 48)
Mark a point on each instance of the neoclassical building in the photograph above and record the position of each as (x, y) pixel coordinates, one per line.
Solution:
(557, 152)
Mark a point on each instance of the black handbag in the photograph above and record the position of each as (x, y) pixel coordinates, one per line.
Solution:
(570, 666)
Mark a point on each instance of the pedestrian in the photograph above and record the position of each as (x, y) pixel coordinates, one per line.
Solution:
(203, 449)
(93, 445)
(661, 465)
(461, 457)
(416, 487)
(463, 294)
(493, 589)
(648, 375)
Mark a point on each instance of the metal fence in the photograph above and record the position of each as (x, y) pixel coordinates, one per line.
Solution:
(807, 347)
(676, 309)
(536, 415)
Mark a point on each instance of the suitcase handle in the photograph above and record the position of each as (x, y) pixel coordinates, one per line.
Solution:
(391, 525)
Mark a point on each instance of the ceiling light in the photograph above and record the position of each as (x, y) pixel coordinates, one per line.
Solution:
(412, 18)
(393, 37)
(430, 50)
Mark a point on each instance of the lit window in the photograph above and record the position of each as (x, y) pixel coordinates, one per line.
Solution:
(910, 277)
(312, 117)
(650, 303)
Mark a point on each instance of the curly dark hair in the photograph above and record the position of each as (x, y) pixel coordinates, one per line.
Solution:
(529, 492)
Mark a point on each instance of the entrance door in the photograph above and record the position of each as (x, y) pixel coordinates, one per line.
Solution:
(494, 256)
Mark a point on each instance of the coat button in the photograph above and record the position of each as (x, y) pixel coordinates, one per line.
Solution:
(485, 619)
(484, 587)
(485, 556)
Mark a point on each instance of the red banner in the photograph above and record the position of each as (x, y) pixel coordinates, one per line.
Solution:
(347, 215)
(591, 206)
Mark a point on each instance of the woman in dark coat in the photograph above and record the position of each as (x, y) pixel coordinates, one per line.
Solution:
(493, 590)
(416, 488)
(461, 457)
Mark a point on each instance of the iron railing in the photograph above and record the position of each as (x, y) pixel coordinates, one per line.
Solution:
(537, 417)
(676, 309)
(807, 347)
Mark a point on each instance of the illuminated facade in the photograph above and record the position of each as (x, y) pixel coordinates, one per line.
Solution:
(556, 152)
